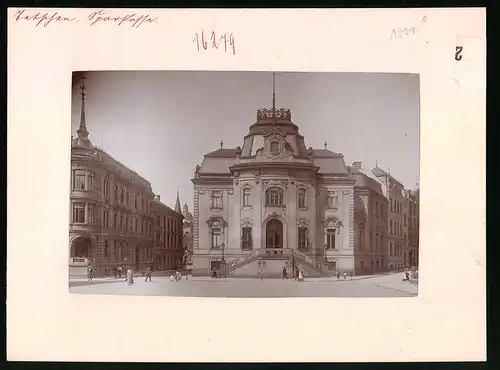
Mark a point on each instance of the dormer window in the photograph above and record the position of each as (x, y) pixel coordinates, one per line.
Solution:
(275, 147)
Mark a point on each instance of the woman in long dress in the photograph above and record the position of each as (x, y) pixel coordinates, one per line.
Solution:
(130, 277)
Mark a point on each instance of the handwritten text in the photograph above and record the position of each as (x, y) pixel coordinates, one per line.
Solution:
(400, 32)
(133, 19)
(219, 42)
(42, 19)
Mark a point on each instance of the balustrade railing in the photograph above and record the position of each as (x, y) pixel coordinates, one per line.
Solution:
(277, 253)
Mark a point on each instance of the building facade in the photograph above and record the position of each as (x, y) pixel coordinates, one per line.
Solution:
(370, 222)
(187, 240)
(413, 200)
(397, 218)
(273, 203)
(111, 219)
(168, 249)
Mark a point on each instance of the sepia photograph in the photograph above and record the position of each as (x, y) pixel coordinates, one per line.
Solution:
(244, 184)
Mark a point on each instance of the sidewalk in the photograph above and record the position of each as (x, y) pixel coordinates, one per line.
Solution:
(410, 287)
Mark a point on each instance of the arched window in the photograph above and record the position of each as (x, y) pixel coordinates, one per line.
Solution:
(246, 197)
(215, 233)
(302, 237)
(274, 196)
(302, 198)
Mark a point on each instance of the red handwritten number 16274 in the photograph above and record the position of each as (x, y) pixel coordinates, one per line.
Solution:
(219, 42)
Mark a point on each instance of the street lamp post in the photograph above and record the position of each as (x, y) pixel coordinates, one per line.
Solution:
(223, 246)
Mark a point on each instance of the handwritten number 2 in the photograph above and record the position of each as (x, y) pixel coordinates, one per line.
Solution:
(458, 50)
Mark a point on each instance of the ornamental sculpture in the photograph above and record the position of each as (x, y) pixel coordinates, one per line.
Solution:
(270, 114)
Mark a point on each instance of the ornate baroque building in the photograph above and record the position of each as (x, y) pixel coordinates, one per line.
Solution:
(271, 203)
(370, 221)
(168, 249)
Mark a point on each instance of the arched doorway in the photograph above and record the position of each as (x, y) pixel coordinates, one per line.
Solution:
(274, 234)
(81, 247)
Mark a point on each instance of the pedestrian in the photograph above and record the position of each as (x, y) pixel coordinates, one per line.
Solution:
(89, 273)
(119, 270)
(178, 276)
(338, 274)
(345, 275)
(284, 273)
(130, 277)
(172, 278)
(407, 275)
(296, 273)
(261, 275)
(148, 275)
(301, 275)
(214, 273)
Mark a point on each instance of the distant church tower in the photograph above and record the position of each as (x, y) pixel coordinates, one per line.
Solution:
(178, 204)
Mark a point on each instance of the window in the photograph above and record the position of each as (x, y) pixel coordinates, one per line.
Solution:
(158, 220)
(90, 213)
(376, 209)
(376, 241)
(106, 187)
(274, 197)
(390, 200)
(217, 199)
(215, 265)
(114, 220)
(122, 191)
(371, 240)
(90, 180)
(331, 200)
(381, 211)
(216, 233)
(246, 197)
(330, 238)
(246, 238)
(390, 249)
(79, 213)
(382, 241)
(275, 147)
(404, 220)
(135, 200)
(303, 238)
(106, 249)
(121, 221)
(302, 198)
(79, 179)
(136, 222)
(115, 191)
(106, 218)
(360, 239)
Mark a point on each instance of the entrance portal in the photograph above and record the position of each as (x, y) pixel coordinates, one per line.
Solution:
(81, 247)
(274, 234)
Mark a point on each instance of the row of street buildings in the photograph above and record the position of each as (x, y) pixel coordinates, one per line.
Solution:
(274, 203)
(115, 217)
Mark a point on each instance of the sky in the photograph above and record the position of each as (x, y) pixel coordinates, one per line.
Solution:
(160, 124)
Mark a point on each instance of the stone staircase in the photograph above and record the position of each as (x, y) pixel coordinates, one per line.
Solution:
(320, 268)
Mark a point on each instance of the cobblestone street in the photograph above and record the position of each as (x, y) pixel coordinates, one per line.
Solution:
(361, 286)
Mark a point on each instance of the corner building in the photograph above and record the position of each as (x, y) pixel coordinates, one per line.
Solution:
(273, 203)
(110, 220)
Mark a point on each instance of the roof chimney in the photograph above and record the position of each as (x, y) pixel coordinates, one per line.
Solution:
(157, 196)
(357, 165)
